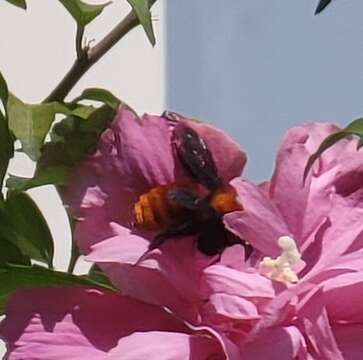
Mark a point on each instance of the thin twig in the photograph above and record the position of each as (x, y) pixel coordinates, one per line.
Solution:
(79, 37)
(89, 57)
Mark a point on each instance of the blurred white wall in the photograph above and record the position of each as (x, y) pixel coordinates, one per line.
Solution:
(37, 48)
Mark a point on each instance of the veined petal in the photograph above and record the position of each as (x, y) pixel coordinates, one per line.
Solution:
(315, 323)
(259, 222)
(283, 343)
(221, 279)
(88, 323)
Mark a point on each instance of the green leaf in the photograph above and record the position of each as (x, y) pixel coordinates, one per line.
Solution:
(55, 175)
(18, 3)
(354, 128)
(6, 148)
(143, 13)
(10, 254)
(13, 277)
(74, 138)
(98, 121)
(321, 6)
(6, 140)
(98, 275)
(31, 123)
(101, 95)
(82, 12)
(3, 90)
(83, 112)
(33, 235)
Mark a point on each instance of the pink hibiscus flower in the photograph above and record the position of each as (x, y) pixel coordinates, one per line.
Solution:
(131, 178)
(264, 307)
(301, 290)
(92, 324)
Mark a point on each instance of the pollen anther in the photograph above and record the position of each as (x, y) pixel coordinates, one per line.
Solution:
(282, 268)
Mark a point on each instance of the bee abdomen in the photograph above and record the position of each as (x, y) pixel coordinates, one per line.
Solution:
(153, 211)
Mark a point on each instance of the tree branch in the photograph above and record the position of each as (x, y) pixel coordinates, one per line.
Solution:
(90, 56)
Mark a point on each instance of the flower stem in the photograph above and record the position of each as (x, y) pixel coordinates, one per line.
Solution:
(90, 55)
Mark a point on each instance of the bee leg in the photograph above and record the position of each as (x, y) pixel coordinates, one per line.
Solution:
(212, 238)
(183, 229)
(233, 240)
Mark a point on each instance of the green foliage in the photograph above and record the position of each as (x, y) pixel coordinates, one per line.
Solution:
(3, 90)
(101, 95)
(9, 251)
(6, 140)
(11, 254)
(98, 275)
(142, 11)
(82, 12)
(18, 3)
(13, 277)
(55, 175)
(31, 123)
(72, 139)
(321, 6)
(354, 128)
(83, 112)
(28, 229)
(6, 147)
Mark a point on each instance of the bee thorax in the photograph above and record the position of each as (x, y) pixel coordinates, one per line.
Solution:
(224, 201)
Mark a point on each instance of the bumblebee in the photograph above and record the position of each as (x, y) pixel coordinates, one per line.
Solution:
(194, 208)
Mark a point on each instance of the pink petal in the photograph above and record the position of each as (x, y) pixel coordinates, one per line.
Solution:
(349, 339)
(166, 346)
(221, 279)
(145, 149)
(303, 206)
(233, 257)
(260, 222)
(94, 228)
(128, 158)
(124, 247)
(283, 343)
(169, 276)
(231, 306)
(93, 324)
(280, 310)
(314, 319)
(149, 285)
(312, 135)
(346, 224)
(342, 296)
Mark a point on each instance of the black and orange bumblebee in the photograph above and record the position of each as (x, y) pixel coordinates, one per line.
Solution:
(193, 208)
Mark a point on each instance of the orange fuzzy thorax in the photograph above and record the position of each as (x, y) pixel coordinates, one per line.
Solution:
(224, 202)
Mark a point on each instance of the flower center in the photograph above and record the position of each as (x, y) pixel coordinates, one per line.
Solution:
(282, 268)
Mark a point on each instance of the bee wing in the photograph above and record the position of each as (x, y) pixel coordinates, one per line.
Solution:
(196, 157)
(184, 199)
